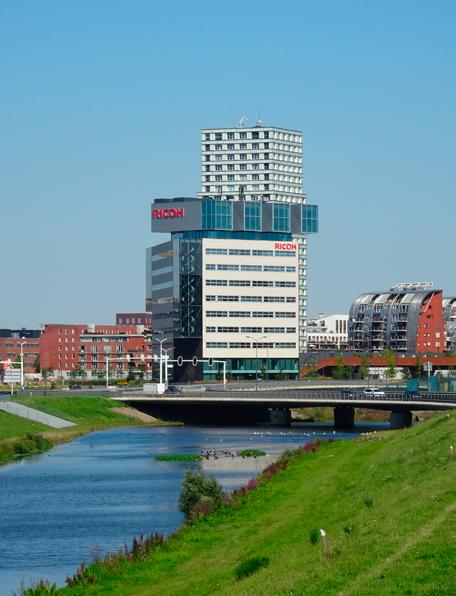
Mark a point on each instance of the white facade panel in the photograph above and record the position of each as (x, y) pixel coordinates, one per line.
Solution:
(250, 296)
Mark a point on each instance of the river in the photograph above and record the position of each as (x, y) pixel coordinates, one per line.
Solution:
(105, 488)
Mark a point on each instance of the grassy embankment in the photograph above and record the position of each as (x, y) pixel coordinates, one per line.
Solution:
(19, 436)
(388, 507)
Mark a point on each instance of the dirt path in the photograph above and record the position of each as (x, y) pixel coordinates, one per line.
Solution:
(415, 539)
(126, 411)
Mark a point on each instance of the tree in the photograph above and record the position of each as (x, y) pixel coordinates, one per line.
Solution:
(198, 488)
(36, 364)
(46, 373)
(340, 371)
(390, 363)
(364, 366)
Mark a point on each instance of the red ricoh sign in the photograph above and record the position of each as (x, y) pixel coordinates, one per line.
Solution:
(170, 213)
(285, 246)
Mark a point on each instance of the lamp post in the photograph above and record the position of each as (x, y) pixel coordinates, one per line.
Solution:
(22, 344)
(107, 370)
(256, 357)
(160, 341)
(166, 350)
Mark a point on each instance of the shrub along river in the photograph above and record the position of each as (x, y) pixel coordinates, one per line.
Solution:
(99, 491)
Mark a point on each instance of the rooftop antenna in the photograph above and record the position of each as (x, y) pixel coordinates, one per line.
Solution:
(258, 122)
(241, 122)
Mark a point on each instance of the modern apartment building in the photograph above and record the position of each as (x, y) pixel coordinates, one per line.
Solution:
(231, 282)
(406, 319)
(449, 313)
(327, 332)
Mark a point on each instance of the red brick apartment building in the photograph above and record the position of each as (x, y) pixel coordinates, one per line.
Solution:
(69, 348)
(10, 346)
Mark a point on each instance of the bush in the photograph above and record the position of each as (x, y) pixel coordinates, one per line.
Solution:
(314, 536)
(195, 486)
(251, 565)
(20, 449)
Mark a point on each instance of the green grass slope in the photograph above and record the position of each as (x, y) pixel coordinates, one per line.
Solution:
(14, 426)
(388, 507)
(88, 413)
(79, 409)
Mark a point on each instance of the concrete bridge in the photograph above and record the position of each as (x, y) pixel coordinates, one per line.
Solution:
(276, 405)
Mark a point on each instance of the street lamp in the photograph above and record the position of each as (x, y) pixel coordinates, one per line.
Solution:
(160, 341)
(166, 357)
(22, 344)
(256, 356)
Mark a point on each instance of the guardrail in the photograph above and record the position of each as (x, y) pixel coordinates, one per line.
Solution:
(352, 397)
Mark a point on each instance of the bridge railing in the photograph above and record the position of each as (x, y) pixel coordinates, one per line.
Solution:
(326, 396)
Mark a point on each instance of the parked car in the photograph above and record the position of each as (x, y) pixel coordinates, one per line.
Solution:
(374, 392)
(75, 386)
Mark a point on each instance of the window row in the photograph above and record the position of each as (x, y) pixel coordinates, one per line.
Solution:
(246, 252)
(250, 329)
(246, 178)
(224, 344)
(259, 283)
(252, 134)
(208, 147)
(278, 299)
(247, 314)
(231, 267)
(246, 166)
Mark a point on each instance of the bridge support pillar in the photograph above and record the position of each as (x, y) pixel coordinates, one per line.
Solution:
(344, 417)
(400, 419)
(280, 417)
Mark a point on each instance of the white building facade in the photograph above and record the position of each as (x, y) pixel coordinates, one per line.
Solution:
(327, 332)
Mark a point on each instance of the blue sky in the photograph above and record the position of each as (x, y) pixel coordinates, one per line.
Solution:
(101, 107)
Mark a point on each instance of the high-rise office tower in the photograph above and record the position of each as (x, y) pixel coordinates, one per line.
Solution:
(231, 283)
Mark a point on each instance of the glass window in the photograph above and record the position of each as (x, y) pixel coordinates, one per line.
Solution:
(281, 218)
(309, 220)
(252, 216)
(218, 136)
(217, 215)
(242, 135)
(231, 136)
